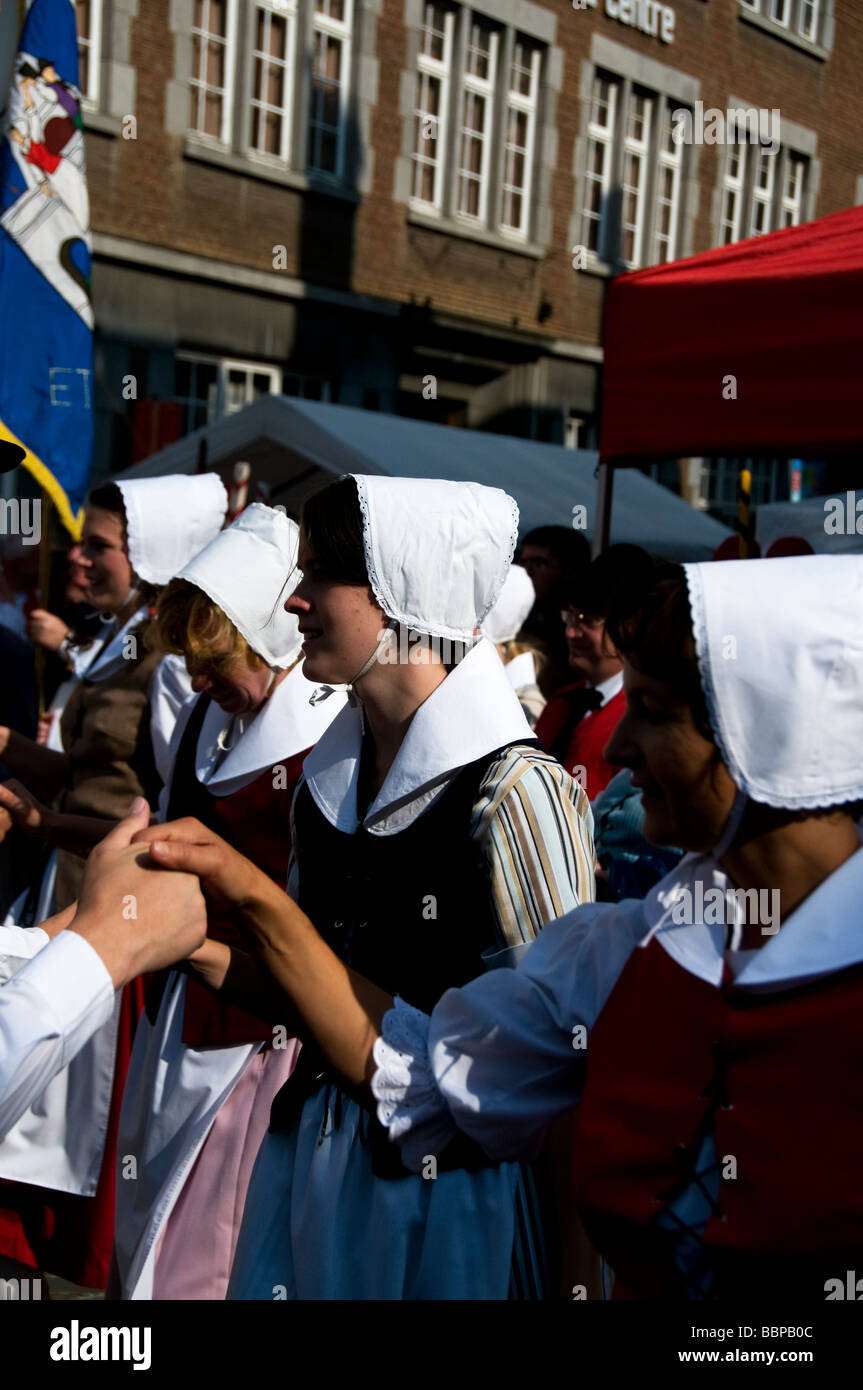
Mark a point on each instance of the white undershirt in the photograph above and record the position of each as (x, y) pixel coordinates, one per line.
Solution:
(608, 689)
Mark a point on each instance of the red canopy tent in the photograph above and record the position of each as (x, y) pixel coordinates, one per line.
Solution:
(781, 315)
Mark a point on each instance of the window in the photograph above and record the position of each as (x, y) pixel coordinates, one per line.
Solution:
(667, 192)
(434, 67)
(763, 189)
(801, 18)
(599, 162)
(732, 193)
(521, 110)
(631, 152)
(88, 17)
(273, 57)
(481, 82)
(808, 20)
(791, 208)
(636, 149)
(209, 387)
(270, 80)
(476, 124)
(213, 64)
(330, 68)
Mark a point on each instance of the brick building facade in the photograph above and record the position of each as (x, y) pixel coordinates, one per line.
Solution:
(415, 207)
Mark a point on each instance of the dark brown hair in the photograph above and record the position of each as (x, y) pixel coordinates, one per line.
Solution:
(651, 625)
(333, 526)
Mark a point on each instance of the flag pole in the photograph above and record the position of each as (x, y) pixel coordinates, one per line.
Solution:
(44, 588)
(744, 526)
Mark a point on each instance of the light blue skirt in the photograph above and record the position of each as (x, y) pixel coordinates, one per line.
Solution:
(318, 1223)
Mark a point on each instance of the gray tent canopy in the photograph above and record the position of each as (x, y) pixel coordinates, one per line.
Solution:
(297, 446)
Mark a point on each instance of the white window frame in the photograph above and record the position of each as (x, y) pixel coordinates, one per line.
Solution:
(483, 89)
(223, 366)
(440, 70)
(529, 105)
(666, 159)
(792, 204)
(601, 135)
(637, 150)
(785, 21)
(341, 29)
(763, 197)
(287, 10)
(199, 86)
(810, 35)
(93, 46)
(734, 186)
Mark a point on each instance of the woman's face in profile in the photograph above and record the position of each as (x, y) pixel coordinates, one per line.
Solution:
(686, 790)
(340, 623)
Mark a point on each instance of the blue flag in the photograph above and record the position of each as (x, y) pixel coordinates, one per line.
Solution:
(46, 314)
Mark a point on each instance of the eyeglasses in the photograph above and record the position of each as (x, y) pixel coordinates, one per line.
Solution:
(571, 617)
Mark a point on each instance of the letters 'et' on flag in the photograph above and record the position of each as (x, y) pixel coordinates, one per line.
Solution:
(46, 314)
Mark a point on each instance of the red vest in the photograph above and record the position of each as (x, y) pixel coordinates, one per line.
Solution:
(256, 820)
(776, 1078)
(589, 738)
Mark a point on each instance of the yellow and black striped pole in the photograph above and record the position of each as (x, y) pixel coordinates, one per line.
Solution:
(745, 525)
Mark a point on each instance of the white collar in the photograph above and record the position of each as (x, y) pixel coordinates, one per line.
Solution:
(608, 689)
(820, 937)
(285, 726)
(108, 659)
(472, 712)
(521, 670)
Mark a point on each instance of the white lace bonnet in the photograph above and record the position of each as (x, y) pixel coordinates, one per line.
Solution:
(168, 520)
(780, 655)
(244, 571)
(437, 552)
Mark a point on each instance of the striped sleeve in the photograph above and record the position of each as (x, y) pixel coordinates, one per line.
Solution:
(537, 829)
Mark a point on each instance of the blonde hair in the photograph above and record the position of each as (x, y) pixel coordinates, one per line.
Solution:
(190, 624)
(517, 646)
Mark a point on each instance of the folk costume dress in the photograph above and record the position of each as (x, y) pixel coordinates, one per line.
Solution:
(719, 1143)
(459, 860)
(203, 1075)
(57, 1162)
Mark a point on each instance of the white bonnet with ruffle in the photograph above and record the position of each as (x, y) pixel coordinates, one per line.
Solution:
(437, 552)
(780, 654)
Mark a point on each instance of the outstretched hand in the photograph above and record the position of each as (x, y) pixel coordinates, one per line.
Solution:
(136, 915)
(229, 879)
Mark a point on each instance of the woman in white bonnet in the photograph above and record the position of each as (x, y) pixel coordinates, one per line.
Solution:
(203, 1074)
(522, 657)
(432, 839)
(710, 1034)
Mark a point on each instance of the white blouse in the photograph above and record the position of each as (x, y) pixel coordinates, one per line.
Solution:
(502, 1057)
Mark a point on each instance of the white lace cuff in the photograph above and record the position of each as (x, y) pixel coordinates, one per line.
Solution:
(410, 1104)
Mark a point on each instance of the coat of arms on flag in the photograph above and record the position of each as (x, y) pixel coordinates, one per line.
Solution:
(46, 315)
(49, 217)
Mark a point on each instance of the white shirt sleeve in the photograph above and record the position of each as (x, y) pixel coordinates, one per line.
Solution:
(504, 1056)
(170, 689)
(51, 1007)
(17, 946)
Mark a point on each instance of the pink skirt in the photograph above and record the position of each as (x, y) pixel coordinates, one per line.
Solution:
(196, 1246)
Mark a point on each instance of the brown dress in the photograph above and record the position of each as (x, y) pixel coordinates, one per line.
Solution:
(106, 734)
